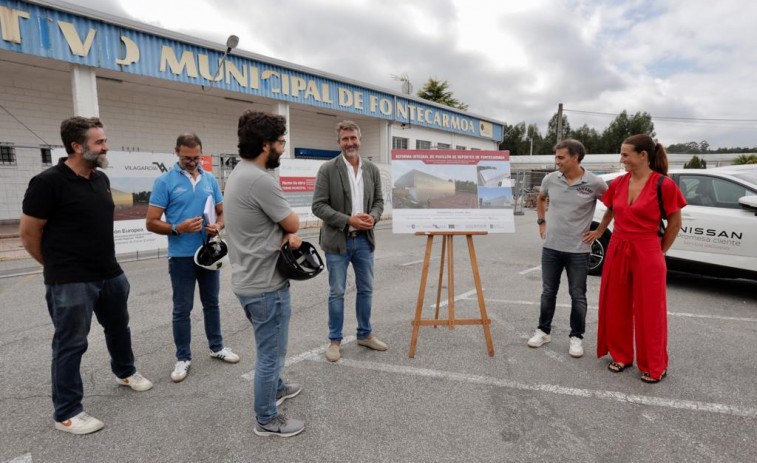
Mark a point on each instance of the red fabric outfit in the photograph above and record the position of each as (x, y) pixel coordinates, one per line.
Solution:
(632, 295)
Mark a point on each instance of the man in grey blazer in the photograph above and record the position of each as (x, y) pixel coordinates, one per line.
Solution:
(348, 199)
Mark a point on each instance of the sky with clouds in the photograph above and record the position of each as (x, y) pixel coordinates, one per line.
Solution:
(512, 60)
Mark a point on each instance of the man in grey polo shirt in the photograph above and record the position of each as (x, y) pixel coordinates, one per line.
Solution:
(258, 221)
(573, 194)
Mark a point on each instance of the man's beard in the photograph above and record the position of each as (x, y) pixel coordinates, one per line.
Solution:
(273, 162)
(350, 154)
(96, 159)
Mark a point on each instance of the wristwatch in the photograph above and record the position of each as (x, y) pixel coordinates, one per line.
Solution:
(540, 221)
(174, 231)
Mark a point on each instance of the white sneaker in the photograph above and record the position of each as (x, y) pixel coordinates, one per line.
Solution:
(226, 355)
(80, 424)
(180, 370)
(576, 347)
(539, 339)
(136, 381)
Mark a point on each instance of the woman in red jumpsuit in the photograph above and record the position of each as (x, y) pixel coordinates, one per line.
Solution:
(632, 297)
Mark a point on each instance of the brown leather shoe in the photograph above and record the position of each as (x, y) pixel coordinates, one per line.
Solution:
(332, 353)
(372, 343)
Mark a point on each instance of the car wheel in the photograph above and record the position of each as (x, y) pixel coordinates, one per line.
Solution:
(598, 252)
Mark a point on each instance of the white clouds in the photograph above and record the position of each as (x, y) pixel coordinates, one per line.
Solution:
(511, 60)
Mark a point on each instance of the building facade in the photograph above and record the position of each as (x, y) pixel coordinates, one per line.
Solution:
(148, 85)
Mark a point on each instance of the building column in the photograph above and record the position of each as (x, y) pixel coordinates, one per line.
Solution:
(282, 109)
(385, 143)
(84, 90)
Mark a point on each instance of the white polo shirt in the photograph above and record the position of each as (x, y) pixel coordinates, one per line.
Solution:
(356, 185)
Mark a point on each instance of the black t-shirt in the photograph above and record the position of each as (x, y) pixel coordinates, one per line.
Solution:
(77, 240)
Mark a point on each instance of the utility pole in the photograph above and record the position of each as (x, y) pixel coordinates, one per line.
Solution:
(559, 123)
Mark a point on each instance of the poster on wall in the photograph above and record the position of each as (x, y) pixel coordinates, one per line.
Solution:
(131, 178)
(297, 180)
(449, 190)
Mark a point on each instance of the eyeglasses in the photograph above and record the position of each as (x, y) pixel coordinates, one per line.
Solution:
(282, 141)
(186, 159)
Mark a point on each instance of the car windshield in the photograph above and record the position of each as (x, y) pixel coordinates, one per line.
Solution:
(750, 177)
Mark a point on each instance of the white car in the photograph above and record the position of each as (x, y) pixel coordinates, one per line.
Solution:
(718, 235)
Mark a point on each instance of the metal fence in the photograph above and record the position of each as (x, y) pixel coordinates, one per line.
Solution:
(526, 185)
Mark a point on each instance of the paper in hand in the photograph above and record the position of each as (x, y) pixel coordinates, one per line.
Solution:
(210, 211)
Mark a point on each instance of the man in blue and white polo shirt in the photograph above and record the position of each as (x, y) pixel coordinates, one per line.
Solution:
(181, 193)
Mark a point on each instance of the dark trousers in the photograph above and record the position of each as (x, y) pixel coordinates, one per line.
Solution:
(184, 273)
(576, 265)
(71, 306)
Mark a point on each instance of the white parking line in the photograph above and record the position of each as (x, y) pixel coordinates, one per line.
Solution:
(672, 314)
(530, 270)
(22, 459)
(303, 356)
(709, 407)
(458, 298)
(416, 262)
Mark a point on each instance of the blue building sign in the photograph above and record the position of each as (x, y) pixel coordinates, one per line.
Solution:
(48, 33)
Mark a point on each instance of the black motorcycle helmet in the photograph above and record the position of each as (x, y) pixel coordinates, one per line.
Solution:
(211, 254)
(299, 264)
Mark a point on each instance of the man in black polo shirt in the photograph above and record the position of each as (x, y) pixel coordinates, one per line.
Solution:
(67, 226)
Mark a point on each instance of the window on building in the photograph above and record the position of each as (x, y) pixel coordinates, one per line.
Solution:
(422, 145)
(399, 143)
(47, 155)
(461, 148)
(7, 155)
(442, 146)
(475, 149)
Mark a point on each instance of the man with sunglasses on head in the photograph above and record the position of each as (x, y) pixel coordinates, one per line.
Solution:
(181, 194)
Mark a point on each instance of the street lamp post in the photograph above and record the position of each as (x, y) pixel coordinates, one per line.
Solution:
(231, 43)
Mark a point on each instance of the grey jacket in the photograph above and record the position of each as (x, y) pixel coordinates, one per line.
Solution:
(332, 202)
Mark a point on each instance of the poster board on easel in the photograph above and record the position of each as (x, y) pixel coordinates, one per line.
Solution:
(450, 193)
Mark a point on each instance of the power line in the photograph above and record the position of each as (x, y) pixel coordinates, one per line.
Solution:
(25, 126)
(670, 118)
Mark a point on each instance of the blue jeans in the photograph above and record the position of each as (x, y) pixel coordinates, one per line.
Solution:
(184, 272)
(359, 253)
(70, 306)
(269, 314)
(576, 265)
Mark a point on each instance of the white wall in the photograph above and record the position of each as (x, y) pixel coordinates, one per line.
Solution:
(147, 116)
(317, 131)
(436, 136)
(39, 98)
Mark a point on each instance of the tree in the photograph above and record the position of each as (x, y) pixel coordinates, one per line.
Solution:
(691, 147)
(540, 145)
(551, 137)
(518, 139)
(438, 91)
(589, 137)
(513, 138)
(696, 163)
(745, 159)
(623, 127)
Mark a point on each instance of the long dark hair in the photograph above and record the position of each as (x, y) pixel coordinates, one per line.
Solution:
(658, 157)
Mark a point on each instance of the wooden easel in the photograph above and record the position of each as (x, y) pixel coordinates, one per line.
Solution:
(450, 321)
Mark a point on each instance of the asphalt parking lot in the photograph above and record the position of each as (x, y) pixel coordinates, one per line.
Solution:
(452, 402)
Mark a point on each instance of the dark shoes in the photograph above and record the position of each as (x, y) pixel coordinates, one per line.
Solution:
(290, 390)
(647, 378)
(281, 426)
(617, 367)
